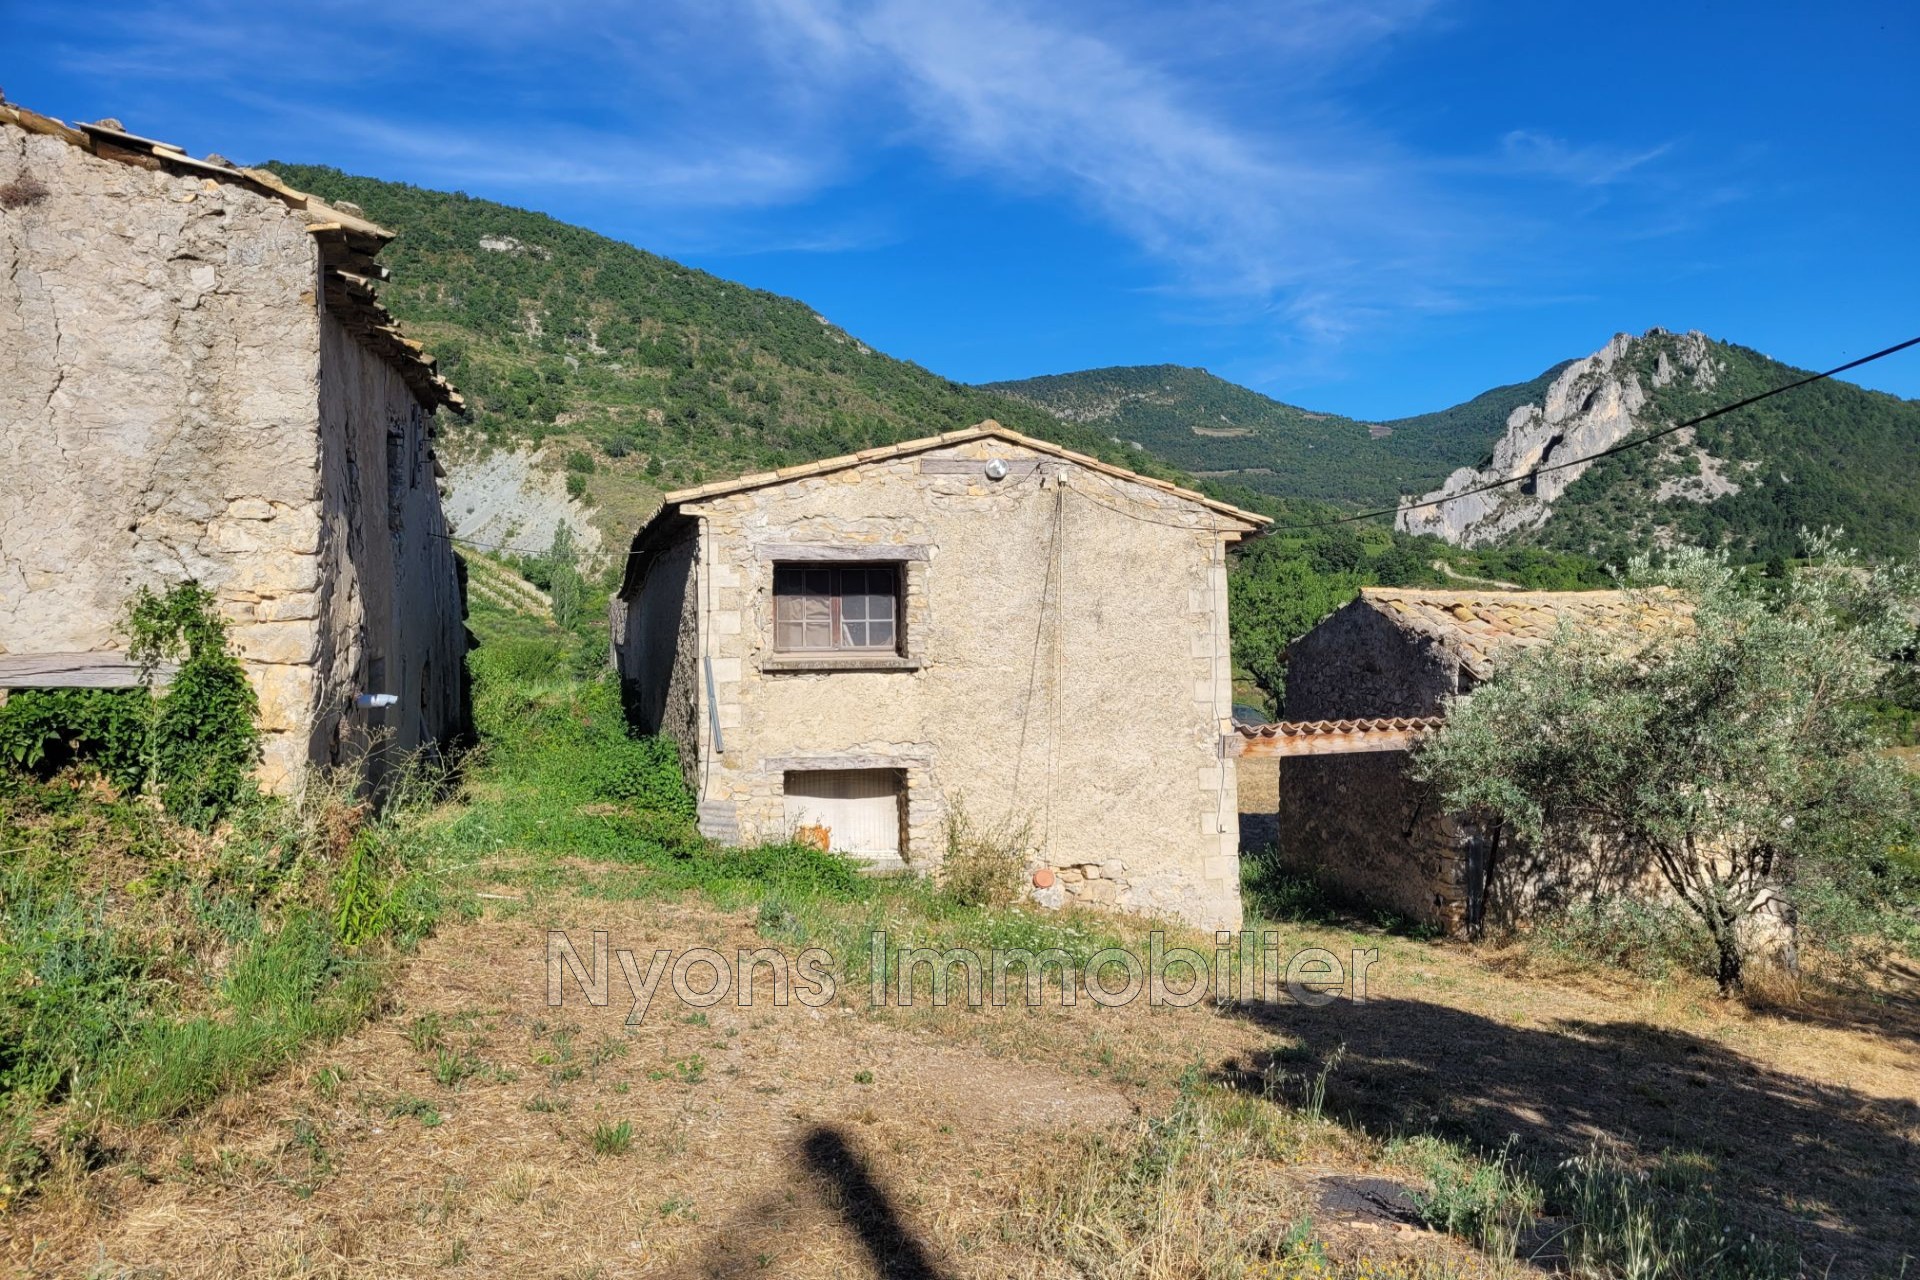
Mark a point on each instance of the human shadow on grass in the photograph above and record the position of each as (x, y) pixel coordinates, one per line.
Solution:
(1818, 1163)
(843, 1181)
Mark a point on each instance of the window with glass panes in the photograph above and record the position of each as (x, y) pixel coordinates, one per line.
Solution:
(836, 608)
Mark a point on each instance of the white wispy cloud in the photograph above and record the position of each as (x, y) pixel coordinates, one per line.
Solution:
(1531, 152)
(1214, 137)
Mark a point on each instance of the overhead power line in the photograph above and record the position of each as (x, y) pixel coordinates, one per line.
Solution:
(1622, 447)
(1634, 443)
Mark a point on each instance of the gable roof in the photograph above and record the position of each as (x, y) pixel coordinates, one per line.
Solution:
(985, 430)
(348, 241)
(1483, 627)
(665, 524)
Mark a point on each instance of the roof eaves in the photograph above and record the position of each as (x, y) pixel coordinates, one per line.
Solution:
(347, 241)
(761, 479)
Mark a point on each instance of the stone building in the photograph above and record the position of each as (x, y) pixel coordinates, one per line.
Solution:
(196, 381)
(1362, 686)
(976, 619)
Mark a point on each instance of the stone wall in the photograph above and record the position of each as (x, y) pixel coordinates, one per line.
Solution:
(163, 361)
(659, 651)
(1067, 666)
(392, 622)
(1375, 838)
(1356, 663)
(1366, 830)
(158, 353)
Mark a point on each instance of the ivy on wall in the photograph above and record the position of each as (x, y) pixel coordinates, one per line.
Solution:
(194, 746)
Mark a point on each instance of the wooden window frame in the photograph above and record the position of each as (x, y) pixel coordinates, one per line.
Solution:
(835, 596)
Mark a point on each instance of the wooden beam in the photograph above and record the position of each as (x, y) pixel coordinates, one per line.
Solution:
(76, 671)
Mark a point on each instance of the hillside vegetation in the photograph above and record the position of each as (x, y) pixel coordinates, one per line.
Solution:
(647, 375)
(1829, 455)
(668, 372)
(1217, 428)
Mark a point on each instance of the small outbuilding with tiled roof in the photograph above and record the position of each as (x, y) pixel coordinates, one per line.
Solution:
(197, 381)
(1362, 687)
(864, 650)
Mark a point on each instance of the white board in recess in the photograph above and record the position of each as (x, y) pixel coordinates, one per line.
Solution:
(859, 807)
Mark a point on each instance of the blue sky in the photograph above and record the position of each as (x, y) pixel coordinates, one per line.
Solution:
(1375, 208)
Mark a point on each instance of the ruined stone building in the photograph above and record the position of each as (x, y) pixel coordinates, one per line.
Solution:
(1362, 686)
(196, 381)
(976, 622)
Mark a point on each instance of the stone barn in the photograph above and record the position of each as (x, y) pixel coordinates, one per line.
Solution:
(860, 646)
(1362, 686)
(196, 381)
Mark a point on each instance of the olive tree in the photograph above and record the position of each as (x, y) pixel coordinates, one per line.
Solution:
(1732, 753)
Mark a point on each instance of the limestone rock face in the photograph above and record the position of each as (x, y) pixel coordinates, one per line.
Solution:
(1594, 404)
(516, 497)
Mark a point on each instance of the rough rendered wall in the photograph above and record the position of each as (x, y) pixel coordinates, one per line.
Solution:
(1068, 668)
(393, 617)
(158, 356)
(659, 652)
(1357, 663)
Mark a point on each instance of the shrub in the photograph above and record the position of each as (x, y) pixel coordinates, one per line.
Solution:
(985, 863)
(196, 745)
(515, 661)
(1650, 939)
(644, 772)
(72, 989)
(1732, 754)
(1490, 1202)
(579, 460)
(797, 868)
(42, 730)
(203, 741)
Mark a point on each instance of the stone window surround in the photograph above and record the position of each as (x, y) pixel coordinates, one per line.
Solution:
(920, 841)
(913, 560)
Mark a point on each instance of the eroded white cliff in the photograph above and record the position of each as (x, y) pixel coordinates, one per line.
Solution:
(1594, 404)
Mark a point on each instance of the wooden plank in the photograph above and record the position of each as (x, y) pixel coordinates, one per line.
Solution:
(76, 671)
(1017, 468)
(841, 552)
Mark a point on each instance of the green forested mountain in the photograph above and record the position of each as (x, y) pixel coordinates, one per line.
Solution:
(652, 375)
(1832, 454)
(1217, 428)
(665, 372)
(1829, 455)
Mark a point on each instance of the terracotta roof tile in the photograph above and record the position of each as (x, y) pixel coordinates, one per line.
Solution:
(1338, 728)
(1482, 626)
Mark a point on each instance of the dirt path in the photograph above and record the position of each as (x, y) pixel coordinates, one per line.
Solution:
(455, 1134)
(1448, 572)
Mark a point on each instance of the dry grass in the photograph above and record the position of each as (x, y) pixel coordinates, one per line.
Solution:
(956, 1142)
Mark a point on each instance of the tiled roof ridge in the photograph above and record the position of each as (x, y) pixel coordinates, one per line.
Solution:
(348, 242)
(1325, 728)
(983, 430)
(1438, 594)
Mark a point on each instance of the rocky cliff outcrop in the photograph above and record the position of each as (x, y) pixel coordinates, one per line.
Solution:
(1594, 404)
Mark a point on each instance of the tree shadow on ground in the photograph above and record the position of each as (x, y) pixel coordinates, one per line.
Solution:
(1881, 997)
(1818, 1163)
